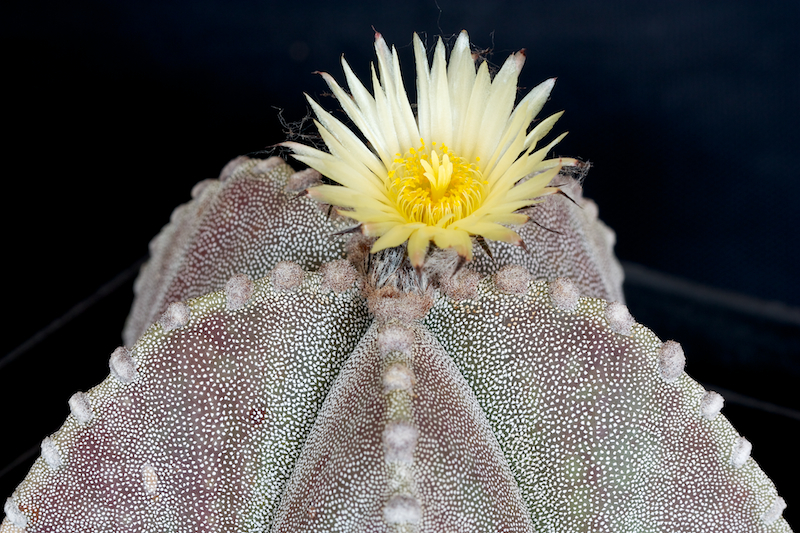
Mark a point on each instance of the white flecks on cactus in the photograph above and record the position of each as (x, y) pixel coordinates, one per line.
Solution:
(238, 291)
(81, 407)
(122, 365)
(209, 416)
(279, 415)
(458, 474)
(565, 241)
(741, 452)
(338, 276)
(711, 404)
(671, 361)
(51, 454)
(595, 424)
(286, 276)
(244, 222)
(523, 415)
(247, 222)
(402, 509)
(775, 510)
(512, 279)
(619, 318)
(564, 294)
(176, 316)
(266, 165)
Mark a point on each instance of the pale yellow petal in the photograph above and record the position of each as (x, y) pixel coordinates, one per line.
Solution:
(396, 99)
(349, 145)
(418, 245)
(391, 235)
(471, 131)
(508, 151)
(495, 232)
(536, 158)
(533, 187)
(375, 212)
(458, 240)
(339, 196)
(536, 98)
(499, 104)
(441, 114)
(345, 175)
(383, 110)
(460, 79)
(514, 219)
(395, 236)
(423, 89)
(542, 129)
(362, 117)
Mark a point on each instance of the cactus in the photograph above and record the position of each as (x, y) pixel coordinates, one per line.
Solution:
(278, 376)
(314, 399)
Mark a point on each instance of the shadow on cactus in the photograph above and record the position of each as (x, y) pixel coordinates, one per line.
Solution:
(444, 349)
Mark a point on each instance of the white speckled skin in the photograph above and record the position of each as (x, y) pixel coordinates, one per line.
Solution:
(252, 217)
(307, 399)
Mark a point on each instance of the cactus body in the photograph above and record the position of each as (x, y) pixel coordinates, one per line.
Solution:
(325, 396)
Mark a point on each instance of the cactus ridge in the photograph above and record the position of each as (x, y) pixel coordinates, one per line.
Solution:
(298, 410)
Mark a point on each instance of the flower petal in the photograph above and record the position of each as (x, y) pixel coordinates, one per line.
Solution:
(459, 240)
(391, 236)
(499, 104)
(418, 245)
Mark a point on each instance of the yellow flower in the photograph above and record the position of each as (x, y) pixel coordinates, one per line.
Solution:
(462, 167)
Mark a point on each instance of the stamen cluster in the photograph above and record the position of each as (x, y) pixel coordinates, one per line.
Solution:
(434, 185)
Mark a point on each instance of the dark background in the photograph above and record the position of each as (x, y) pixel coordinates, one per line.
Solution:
(687, 109)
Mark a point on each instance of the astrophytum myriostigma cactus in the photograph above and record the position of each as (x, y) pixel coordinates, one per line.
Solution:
(296, 378)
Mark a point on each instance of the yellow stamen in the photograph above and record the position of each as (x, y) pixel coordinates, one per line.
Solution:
(434, 185)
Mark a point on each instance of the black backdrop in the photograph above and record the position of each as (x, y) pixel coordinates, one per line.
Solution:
(687, 109)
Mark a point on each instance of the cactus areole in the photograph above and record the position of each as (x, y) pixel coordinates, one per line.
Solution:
(289, 369)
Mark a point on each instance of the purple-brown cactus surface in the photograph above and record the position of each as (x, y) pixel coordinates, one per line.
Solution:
(302, 384)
